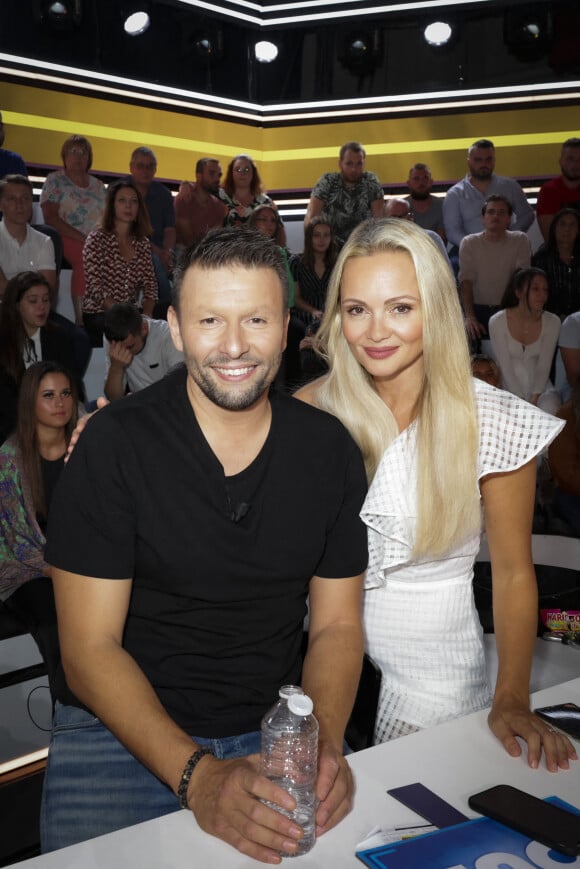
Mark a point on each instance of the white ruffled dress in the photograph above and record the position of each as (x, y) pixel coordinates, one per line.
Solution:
(420, 618)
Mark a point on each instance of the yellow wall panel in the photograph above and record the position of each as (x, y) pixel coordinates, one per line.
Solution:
(290, 156)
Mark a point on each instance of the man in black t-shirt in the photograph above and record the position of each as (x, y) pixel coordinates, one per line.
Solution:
(191, 525)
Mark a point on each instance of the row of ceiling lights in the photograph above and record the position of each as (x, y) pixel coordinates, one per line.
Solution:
(137, 22)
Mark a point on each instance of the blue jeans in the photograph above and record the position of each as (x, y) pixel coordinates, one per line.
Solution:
(93, 785)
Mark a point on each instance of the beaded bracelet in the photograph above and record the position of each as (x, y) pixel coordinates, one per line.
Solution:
(187, 772)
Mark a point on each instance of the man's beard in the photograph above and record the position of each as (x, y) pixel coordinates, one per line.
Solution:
(232, 398)
(420, 195)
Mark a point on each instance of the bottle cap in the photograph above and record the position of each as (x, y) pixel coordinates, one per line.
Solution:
(300, 704)
(287, 690)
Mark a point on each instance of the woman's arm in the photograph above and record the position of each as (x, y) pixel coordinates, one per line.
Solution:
(509, 502)
(98, 262)
(52, 217)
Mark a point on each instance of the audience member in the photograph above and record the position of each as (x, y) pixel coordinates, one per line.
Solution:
(349, 196)
(397, 207)
(427, 209)
(242, 193)
(524, 338)
(117, 258)
(22, 248)
(139, 350)
(562, 191)
(487, 261)
(438, 447)
(264, 218)
(463, 204)
(197, 205)
(564, 459)
(10, 162)
(559, 257)
(30, 464)
(569, 344)
(485, 368)
(26, 337)
(72, 202)
(159, 202)
(312, 269)
(193, 508)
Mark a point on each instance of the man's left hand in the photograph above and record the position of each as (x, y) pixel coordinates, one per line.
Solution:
(509, 720)
(334, 788)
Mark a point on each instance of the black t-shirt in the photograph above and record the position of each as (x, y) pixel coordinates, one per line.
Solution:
(216, 612)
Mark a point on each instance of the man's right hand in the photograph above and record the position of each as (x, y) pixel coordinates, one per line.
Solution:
(119, 355)
(80, 426)
(225, 797)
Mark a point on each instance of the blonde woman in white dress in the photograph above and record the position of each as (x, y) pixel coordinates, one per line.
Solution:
(442, 452)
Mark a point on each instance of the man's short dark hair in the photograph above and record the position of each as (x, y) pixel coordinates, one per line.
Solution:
(573, 142)
(143, 151)
(419, 167)
(352, 146)
(121, 320)
(496, 197)
(481, 143)
(15, 179)
(202, 163)
(225, 247)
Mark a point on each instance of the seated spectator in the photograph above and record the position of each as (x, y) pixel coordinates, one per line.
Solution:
(26, 337)
(30, 464)
(564, 459)
(559, 257)
(487, 261)
(563, 190)
(22, 248)
(311, 270)
(485, 368)
(264, 218)
(524, 338)
(398, 207)
(10, 162)
(346, 197)
(569, 344)
(427, 209)
(140, 351)
(242, 193)
(197, 205)
(72, 202)
(159, 203)
(117, 259)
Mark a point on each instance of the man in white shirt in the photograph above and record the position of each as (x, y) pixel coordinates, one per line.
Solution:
(487, 261)
(139, 351)
(22, 248)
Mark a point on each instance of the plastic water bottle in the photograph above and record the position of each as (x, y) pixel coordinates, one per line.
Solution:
(290, 758)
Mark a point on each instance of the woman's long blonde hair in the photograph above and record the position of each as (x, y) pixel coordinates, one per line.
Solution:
(446, 414)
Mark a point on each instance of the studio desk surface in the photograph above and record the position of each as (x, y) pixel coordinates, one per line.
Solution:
(455, 759)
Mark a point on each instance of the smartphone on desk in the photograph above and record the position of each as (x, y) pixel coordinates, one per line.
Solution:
(564, 716)
(542, 821)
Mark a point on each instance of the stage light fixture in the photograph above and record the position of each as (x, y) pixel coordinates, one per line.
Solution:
(438, 33)
(529, 34)
(265, 51)
(137, 23)
(59, 14)
(362, 51)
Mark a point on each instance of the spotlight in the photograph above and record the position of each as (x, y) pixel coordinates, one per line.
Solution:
(528, 35)
(438, 33)
(208, 45)
(59, 14)
(137, 23)
(265, 51)
(362, 51)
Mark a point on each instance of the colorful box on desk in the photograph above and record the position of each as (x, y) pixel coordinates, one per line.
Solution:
(478, 844)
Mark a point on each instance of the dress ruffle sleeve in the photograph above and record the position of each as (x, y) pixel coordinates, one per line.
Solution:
(511, 432)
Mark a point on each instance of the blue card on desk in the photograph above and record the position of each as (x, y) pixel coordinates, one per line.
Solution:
(470, 845)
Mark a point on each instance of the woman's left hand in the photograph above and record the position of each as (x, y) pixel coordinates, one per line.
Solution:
(508, 721)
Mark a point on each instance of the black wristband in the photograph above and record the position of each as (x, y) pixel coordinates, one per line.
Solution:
(187, 772)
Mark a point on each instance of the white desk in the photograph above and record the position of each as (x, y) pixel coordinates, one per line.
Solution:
(454, 759)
